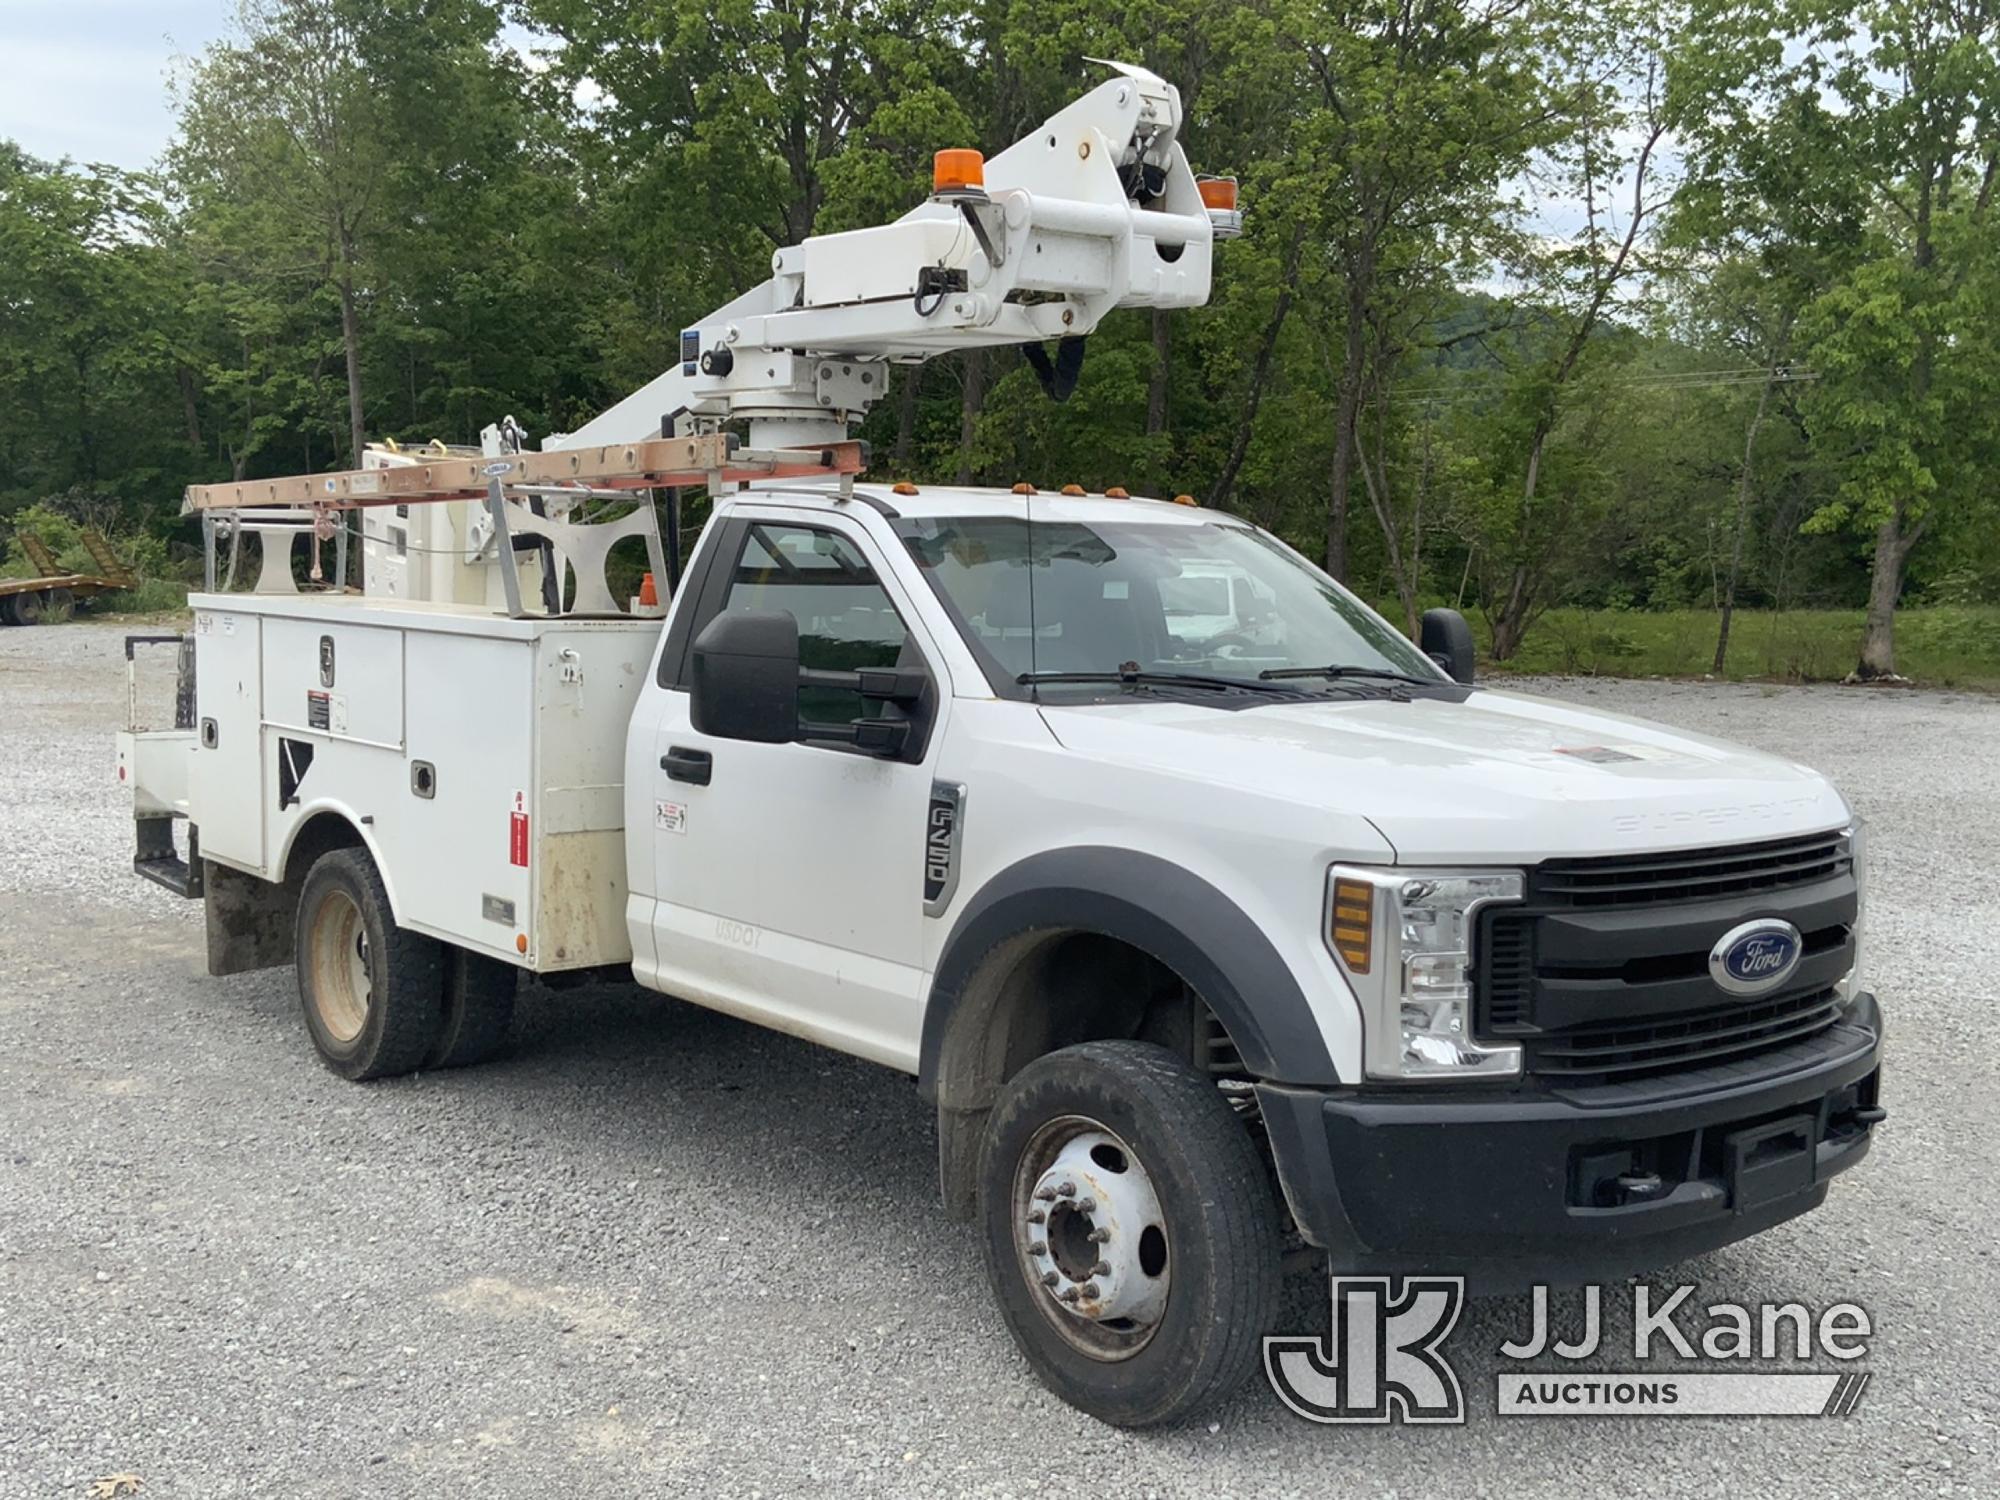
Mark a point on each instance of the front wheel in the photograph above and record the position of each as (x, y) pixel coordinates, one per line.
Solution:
(369, 988)
(1130, 1232)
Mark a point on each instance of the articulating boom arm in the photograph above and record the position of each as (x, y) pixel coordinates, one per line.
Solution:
(1096, 209)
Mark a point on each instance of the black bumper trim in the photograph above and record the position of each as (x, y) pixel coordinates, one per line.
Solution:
(1518, 1187)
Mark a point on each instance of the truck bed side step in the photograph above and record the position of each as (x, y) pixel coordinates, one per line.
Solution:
(157, 860)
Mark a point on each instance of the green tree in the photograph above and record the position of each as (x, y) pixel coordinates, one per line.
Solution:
(85, 321)
(288, 124)
(1901, 98)
(1412, 118)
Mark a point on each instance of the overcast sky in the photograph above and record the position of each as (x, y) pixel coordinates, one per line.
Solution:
(88, 78)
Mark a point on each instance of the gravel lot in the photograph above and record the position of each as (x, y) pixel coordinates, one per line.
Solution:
(658, 1250)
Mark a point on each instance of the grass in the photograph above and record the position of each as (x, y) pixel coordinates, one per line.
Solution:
(149, 596)
(1946, 646)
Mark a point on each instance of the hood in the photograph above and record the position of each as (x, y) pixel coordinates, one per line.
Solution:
(1500, 776)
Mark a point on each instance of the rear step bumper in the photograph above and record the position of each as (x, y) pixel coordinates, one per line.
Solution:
(157, 860)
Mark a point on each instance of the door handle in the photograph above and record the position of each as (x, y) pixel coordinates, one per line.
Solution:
(683, 764)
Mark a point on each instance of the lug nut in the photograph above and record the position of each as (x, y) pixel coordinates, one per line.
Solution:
(1069, 1294)
(1036, 1216)
(1087, 1206)
(1099, 1236)
(1045, 1195)
(1067, 1189)
(1049, 1278)
(1090, 1290)
(1102, 1268)
(1038, 1247)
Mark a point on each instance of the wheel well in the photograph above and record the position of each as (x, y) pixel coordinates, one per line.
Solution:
(249, 919)
(1048, 989)
(320, 834)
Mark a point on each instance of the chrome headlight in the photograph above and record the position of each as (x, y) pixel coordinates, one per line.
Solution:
(1404, 938)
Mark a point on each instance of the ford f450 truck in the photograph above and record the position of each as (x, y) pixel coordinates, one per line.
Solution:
(1208, 931)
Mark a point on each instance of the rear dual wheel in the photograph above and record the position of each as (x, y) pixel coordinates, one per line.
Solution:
(380, 1000)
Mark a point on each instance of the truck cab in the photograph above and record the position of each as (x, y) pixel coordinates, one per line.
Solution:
(1506, 989)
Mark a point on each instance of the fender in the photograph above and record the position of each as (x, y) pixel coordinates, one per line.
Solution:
(364, 836)
(1159, 908)
(248, 918)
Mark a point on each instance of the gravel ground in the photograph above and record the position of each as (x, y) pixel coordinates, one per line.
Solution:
(658, 1250)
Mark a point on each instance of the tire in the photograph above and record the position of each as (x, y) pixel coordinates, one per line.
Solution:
(27, 608)
(1177, 1319)
(369, 989)
(58, 607)
(478, 1010)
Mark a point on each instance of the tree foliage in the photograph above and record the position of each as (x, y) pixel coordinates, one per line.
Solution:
(1677, 303)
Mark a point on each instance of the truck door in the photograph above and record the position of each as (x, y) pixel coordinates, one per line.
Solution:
(789, 878)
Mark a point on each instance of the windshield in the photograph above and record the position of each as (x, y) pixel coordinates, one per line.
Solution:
(1213, 598)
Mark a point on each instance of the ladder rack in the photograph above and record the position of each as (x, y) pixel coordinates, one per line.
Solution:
(711, 459)
(512, 485)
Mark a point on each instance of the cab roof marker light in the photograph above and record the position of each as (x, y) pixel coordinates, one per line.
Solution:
(1024, 489)
(1074, 489)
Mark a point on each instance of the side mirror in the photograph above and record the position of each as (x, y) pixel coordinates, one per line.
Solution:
(1447, 640)
(746, 677)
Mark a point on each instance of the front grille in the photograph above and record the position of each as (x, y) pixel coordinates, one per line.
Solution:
(1507, 970)
(1602, 972)
(1690, 874)
(1632, 1050)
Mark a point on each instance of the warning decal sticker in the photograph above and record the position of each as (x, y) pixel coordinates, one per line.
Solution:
(517, 831)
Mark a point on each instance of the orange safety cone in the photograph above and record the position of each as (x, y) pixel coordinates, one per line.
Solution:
(649, 596)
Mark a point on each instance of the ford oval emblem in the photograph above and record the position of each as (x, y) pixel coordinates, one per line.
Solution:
(1755, 957)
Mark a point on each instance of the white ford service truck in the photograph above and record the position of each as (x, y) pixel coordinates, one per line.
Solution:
(1215, 917)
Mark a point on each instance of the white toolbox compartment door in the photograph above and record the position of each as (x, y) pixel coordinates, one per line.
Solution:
(227, 768)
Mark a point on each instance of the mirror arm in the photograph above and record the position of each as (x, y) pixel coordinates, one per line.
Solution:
(888, 684)
(876, 736)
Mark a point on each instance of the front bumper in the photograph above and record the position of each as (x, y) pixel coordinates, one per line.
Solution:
(1569, 1185)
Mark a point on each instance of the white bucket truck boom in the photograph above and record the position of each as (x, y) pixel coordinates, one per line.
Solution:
(1212, 914)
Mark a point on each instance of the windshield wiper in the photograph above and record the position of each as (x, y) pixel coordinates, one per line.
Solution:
(1157, 679)
(1274, 674)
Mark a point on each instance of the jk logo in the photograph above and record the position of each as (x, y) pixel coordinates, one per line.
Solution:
(1380, 1360)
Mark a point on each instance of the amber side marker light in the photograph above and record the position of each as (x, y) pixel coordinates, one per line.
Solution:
(956, 169)
(1353, 923)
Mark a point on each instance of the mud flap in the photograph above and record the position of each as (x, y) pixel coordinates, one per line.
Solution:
(249, 920)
